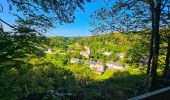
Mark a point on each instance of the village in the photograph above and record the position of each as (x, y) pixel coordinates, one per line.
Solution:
(96, 66)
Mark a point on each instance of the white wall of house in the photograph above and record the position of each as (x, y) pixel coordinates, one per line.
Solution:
(107, 53)
(112, 66)
(50, 51)
(121, 56)
(97, 68)
(75, 60)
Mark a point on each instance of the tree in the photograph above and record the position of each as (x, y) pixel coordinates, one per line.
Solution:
(26, 41)
(130, 15)
(166, 39)
(45, 13)
(35, 15)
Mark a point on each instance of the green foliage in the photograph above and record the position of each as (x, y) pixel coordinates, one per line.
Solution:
(20, 44)
(34, 76)
(40, 78)
(82, 73)
(62, 42)
(45, 13)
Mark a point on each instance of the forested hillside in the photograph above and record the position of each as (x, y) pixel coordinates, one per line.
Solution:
(52, 71)
(127, 55)
(115, 43)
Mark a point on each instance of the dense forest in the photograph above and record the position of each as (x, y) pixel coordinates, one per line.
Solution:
(127, 55)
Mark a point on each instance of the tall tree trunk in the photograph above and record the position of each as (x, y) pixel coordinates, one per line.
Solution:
(167, 59)
(151, 43)
(156, 48)
(150, 56)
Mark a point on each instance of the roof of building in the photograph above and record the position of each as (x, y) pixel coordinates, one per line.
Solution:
(92, 62)
(107, 53)
(97, 67)
(75, 59)
(116, 63)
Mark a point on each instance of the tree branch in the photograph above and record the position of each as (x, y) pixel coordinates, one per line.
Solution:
(7, 23)
(164, 5)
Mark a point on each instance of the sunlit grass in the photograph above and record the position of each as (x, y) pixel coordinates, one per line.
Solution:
(84, 71)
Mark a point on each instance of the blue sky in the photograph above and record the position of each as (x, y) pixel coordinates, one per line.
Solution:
(79, 28)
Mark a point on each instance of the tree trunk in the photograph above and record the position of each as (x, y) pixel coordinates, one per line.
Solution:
(167, 59)
(151, 44)
(150, 56)
(151, 47)
(152, 83)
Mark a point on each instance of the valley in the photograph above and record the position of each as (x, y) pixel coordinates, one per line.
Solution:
(84, 49)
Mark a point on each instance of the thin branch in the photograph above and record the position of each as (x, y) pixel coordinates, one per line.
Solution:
(163, 6)
(7, 23)
(25, 3)
(1, 8)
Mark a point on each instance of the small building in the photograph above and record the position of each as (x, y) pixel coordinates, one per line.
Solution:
(100, 68)
(114, 65)
(86, 53)
(89, 63)
(97, 67)
(75, 60)
(51, 51)
(121, 56)
(107, 53)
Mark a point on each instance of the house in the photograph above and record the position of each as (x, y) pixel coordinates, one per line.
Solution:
(86, 53)
(75, 60)
(114, 65)
(121, 56)
(50, 51)
(89, 63)
(107, 53)
(97, 67)
(100, 68)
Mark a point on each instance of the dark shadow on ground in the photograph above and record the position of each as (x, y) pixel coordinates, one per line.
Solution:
(120, 86)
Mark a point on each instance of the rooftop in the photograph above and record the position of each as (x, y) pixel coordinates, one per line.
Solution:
(75, 59)
(115, 63)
